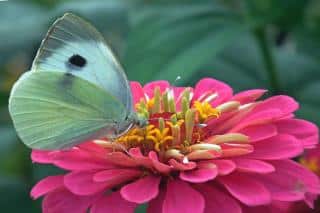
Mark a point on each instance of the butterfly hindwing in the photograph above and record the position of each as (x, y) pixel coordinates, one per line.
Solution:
(55, 110)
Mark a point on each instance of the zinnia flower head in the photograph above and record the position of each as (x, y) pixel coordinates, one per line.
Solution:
(204, 150)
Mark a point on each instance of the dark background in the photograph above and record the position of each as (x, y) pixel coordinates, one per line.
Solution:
(273, 44)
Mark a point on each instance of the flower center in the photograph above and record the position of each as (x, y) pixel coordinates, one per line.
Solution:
(178, 128)
(172, 125)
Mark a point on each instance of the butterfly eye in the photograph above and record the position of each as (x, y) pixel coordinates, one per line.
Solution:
(77, 60)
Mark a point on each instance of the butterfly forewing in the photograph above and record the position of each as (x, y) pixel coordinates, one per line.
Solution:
(74, 46)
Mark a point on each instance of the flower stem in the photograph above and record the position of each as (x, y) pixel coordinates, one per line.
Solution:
(268, 60)
(253, 9)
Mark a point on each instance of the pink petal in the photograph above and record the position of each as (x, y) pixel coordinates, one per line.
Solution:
(301, 129)
(235, 150)
(292, 168)
(310, 142)
(112, 203)
(140, 158)
(290, 181)
(251, 165)
(142, 190)
(278, 147)
(216, 199)
(225, 167)
(209, 85)
(297, 127)
(182, 166)
(230, 120)
(259, 132)
(246, 189)
(81, 183)
(137, 92)
(155, 205)
(80, 160)
(150, 87)
(46, 185)
(249, 95)
(121, 159)
(265, 209)
(204, 172)
(181, 197)
(94, 149)
(63, 201)
(258, 118)
(271, 109)
(282, 188)
(160, 167)
(114, 177)
(40, 156)
(284, 103)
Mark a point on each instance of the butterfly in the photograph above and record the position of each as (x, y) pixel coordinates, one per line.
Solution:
(75, 90)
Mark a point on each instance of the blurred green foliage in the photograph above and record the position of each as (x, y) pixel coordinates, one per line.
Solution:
(273, 44)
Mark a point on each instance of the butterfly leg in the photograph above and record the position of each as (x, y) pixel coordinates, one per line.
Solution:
(118, 145)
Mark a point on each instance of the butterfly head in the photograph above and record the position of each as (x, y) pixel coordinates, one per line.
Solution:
(139, 120)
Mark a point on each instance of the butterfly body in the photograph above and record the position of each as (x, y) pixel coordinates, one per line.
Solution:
(76, 90)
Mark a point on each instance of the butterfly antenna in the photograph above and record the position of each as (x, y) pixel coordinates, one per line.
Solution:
(177, 79)
(174, 83)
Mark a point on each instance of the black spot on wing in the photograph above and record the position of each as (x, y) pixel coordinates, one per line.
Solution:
(77, 61)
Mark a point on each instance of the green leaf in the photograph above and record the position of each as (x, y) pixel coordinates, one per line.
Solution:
(241, 71)
(303, 83)
(168, 41)
(246, 71)
(18, 32)
(33, 21)
(15, 196)
(9, 139)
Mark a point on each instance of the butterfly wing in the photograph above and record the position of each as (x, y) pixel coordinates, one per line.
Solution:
(55, 110)
(73, 45)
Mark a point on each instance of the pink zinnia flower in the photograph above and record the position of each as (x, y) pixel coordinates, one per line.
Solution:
(205, 150)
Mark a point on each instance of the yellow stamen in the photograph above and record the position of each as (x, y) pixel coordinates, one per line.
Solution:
(205, 110)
